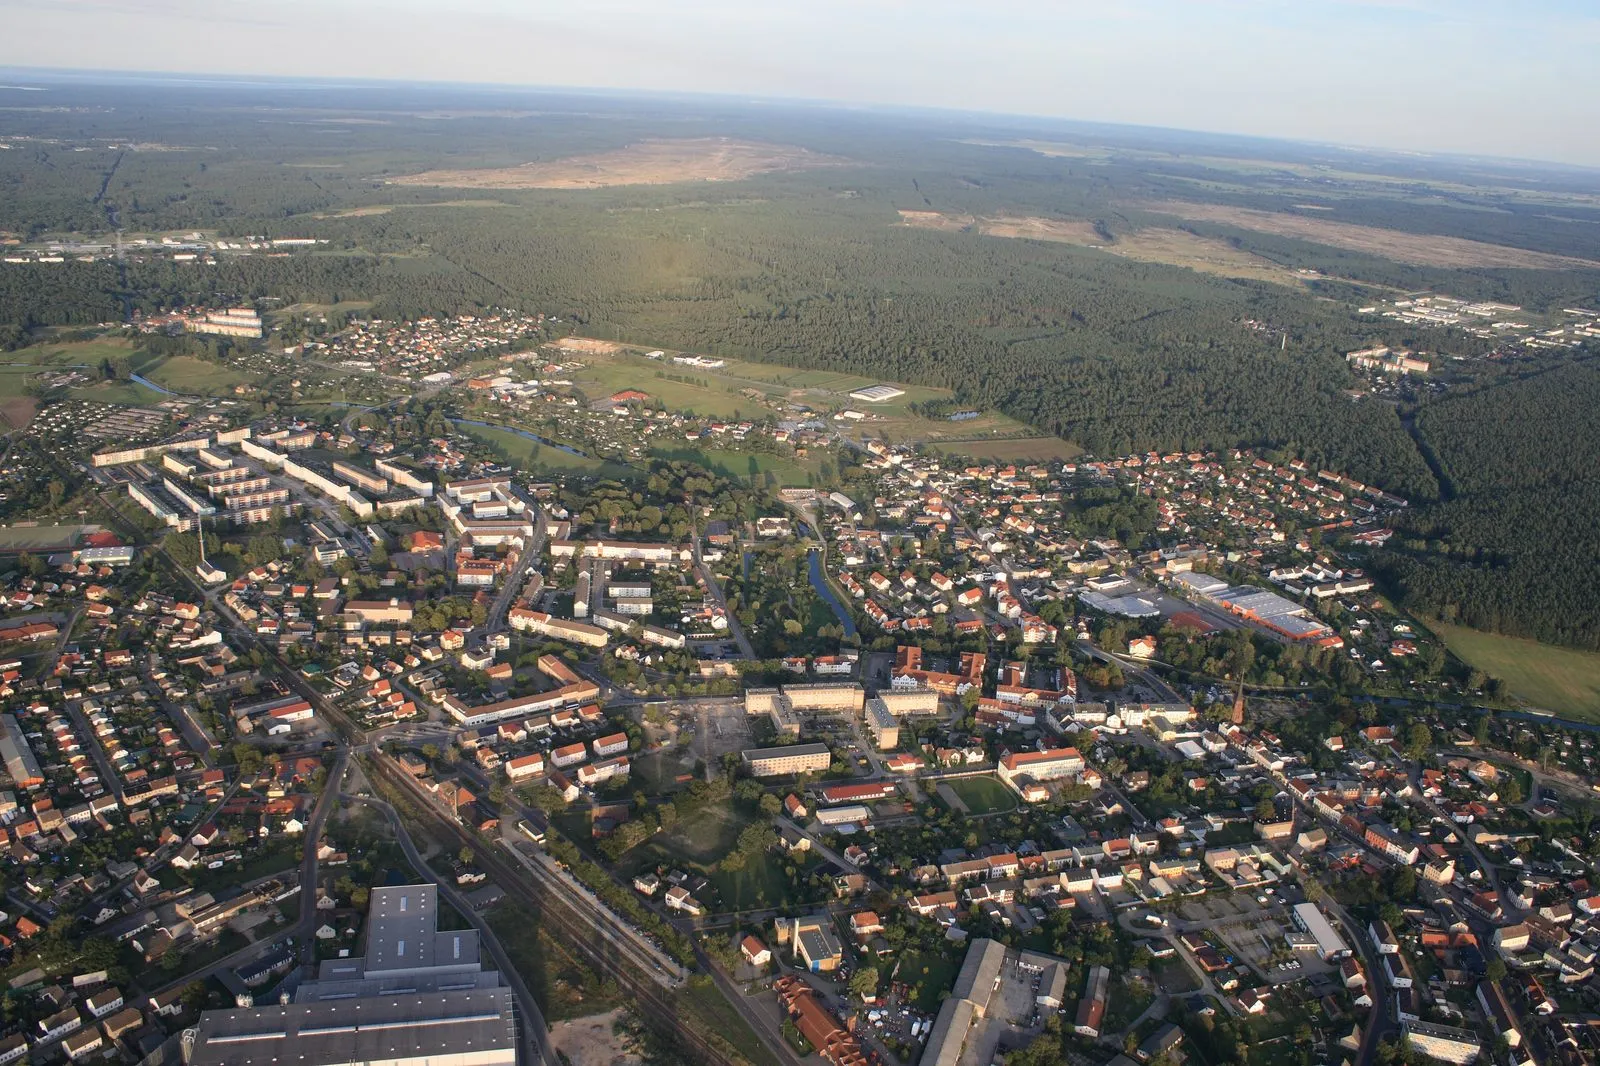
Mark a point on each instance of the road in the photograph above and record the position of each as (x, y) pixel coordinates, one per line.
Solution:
(735, 630)
(826, 852)
(307, 926)
(535, 1032)
(527, 559)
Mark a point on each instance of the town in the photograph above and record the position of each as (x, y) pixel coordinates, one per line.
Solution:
(834, 749)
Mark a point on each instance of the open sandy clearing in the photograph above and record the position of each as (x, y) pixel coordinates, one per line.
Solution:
(662, 162)
(1172, 247)
(593, 1041)
(1414, 248)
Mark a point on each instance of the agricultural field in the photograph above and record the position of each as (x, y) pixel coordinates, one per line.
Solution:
(1012, 450)
(1559, 680)
(649, 162)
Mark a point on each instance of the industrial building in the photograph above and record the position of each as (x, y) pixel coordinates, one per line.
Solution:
(418, 996)
(1267, 609)
(1312, 921)
(17, 756)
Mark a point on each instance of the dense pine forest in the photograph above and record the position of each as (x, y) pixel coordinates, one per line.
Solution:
(1513, 548)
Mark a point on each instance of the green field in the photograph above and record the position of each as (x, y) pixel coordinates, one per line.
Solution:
(746, 466)
(713, 1012)
(563, 984)
(983, 795)
(26, 538)
(758, 884)
(604, 376)
(928, 976)
(1015, 450)
(126, 393)
(700, 838)
(87, 353)
(1560, 680)
(533, 456)
(193, 376)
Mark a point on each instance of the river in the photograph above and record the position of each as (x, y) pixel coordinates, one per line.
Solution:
(569, 449)
(147, 383)
(814, 564)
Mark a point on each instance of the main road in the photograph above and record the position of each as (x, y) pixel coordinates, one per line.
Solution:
(534, 1031)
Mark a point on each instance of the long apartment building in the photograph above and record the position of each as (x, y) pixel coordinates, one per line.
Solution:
(362, 479)
(404, 477)
(529, 621)
(792, 759)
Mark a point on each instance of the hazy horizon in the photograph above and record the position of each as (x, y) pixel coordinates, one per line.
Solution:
(1459, 77)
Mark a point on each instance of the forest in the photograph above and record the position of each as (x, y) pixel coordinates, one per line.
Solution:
(1511, 547)
(815, 269)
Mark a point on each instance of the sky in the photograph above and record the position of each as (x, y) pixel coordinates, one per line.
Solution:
(1483, 77)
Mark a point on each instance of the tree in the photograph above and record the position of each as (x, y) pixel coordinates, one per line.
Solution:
(1495, 969)
(1480, 730)
(1419, 740)
(770, 804)
(864, 982)
(466, 855)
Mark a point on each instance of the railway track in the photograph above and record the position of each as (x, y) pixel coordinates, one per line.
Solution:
(576, 931)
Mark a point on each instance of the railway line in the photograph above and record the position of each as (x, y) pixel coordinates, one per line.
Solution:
(577, 931)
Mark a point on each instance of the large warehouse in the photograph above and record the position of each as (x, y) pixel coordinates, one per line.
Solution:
(418, 997)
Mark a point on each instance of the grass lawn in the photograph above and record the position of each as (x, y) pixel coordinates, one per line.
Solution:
(533, 456)
(657, 774)
(126, 393)
(744, 466)
(716, 399)
(88, 353)
(700, 839)
(983, 795)
(713, 1013)
(927, 975)
(762, 883)
(194, 376)
(1560, 680)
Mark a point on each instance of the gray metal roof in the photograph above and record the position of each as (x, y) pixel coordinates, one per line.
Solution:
(475, 1027)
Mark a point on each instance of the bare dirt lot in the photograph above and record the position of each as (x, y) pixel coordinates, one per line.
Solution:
(1417, 249)
(1157, 245)
(593, 1041)
(662, 162)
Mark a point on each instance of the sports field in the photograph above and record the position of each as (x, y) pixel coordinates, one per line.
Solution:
(983, 795)
(1560, 680)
